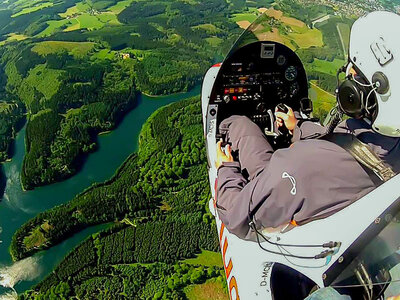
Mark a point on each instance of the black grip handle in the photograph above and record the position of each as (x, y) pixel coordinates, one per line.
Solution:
(282, 108)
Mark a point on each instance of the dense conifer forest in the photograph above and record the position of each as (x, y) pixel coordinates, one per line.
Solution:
(157, 198)
(71, 69)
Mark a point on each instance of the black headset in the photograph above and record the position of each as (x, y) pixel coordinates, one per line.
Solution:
(356, 97)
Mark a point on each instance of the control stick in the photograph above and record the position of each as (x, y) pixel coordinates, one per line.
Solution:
(282, 108)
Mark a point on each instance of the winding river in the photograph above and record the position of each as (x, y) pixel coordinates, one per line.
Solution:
(18, 206)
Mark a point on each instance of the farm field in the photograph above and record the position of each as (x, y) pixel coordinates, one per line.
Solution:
(77, 49)
(28, 10)
(298, 36)
(344, 32)
(324, 66)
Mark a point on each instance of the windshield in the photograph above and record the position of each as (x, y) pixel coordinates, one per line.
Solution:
(374, 268)
(267, 27)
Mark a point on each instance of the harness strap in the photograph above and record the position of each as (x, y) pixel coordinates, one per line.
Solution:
(378, 171)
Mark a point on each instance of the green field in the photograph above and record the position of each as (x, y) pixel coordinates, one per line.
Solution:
(77, 49)
(209, 28)
(328, 67)
(214, 41)
(35, 239)
(344, 31)
(308, 38)
(89, 22)
(28, 10)
(44, 80)
(323, 102)
(13, 37)
(108, 18)
(206, 258)
(120, 6)
(70, 12)
(244, 17)
(54, 26)
(103, 54)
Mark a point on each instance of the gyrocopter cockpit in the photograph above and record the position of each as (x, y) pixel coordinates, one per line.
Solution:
(354, 250)
(257, 76)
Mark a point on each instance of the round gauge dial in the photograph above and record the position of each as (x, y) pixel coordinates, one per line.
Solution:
(294, 89)
(291, 73)
(281, 60)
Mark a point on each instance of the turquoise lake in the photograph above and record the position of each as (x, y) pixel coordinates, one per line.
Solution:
(18, 206)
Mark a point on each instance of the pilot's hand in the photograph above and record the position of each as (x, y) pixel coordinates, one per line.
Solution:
(288, 119)
(223, 156)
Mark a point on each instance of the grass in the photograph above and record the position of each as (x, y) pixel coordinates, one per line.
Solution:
(82, 6)
(28, 10)
(77, 49)
(120, 6)
(327, 67)
(209, 28)
(323, 101)
(53, 26)
(214, 41)
(73, 25)
(108, 18)
(46, 226)
(6, 107)
(69, 12)
(300, 37)
(35, 239)
(89, 22)
(244, 17)
(206, 258)
(312, 37)
(14, 37)
(344, 31)
(103, 54)
(44, 80)
(211, 289)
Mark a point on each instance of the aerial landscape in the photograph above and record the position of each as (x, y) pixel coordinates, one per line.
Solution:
(103, 184)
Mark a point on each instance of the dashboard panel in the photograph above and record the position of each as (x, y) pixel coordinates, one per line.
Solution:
(256, 78)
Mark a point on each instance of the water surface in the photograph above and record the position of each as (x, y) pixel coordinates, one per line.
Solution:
(18, 206)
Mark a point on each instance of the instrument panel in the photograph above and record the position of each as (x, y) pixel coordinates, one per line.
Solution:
(256, 78)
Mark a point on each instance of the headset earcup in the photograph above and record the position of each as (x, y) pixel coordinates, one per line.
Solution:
(350, 99)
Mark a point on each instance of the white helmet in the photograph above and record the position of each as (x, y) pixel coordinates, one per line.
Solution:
(374, 51)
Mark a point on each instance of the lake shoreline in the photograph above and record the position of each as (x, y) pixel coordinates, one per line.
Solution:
(100, 166)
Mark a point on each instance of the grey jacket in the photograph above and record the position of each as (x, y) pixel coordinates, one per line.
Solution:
(311, 179)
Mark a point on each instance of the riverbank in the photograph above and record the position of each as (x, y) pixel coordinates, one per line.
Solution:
(17, 206)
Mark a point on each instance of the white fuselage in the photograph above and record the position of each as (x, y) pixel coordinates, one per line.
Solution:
(247, 266)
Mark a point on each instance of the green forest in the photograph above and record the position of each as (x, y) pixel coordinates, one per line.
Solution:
(71, 85)
(158, 200)
(71, 70)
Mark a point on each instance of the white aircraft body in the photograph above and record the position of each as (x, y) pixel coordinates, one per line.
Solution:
(365, 259)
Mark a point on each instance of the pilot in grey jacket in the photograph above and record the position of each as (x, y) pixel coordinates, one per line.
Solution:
(311, 179)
